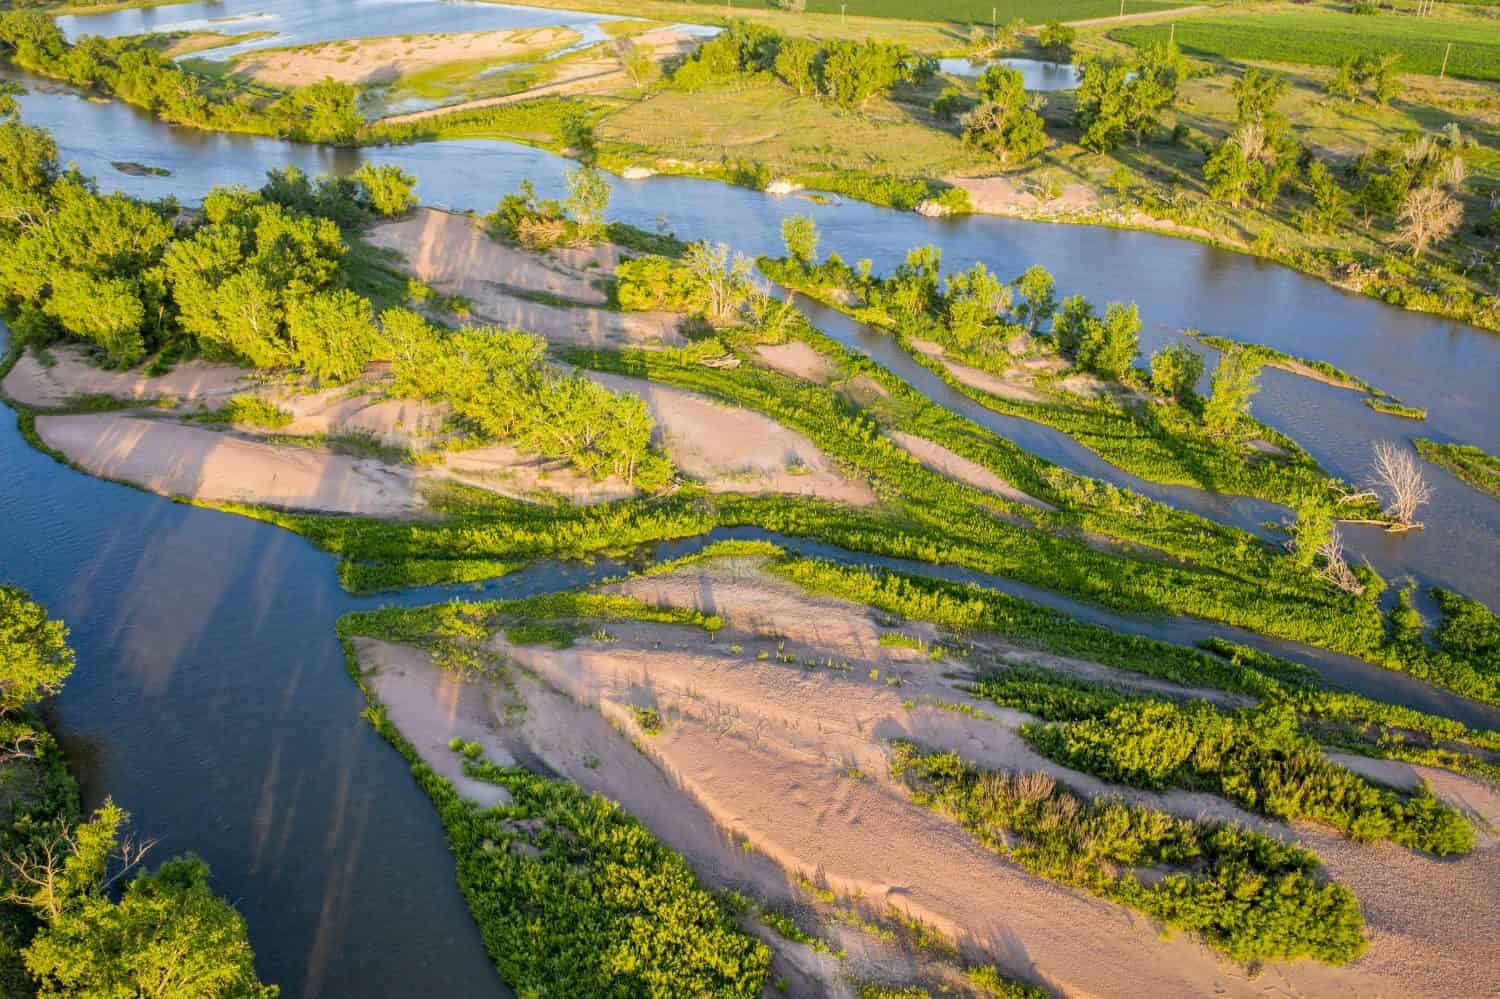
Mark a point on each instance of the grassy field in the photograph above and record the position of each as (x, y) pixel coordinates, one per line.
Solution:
(1327, 37)
(981, 11)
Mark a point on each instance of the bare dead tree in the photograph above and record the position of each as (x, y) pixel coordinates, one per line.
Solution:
(1334, 569)
(1398, 476)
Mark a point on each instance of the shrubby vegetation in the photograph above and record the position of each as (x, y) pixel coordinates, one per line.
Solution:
(140, 75)
(1246, 895)
(1469, 463)
(1118, 99)
(1257, 757)
(71, 924)
(846, 73)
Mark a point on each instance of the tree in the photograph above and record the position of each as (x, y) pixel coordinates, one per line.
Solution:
(853, 72)
(588, 200)
(1330, 205)
(320, 112)
(1256, 93)
(726, 279)
(798, 63)
(1005, 123)
(168, 937)
(945, 106)
(1038, 302)
(1175, 370)
(1233, 385)
(800, 234)
(1073, 324)
(1428, 215)
(387, 188)
(34, 655)
(1100, 105)
(1397, 474)
(105, 310)
(28, 158)
(636, 60)
(1342, 83)
(973, 302)
(1109, 346)
(1311, 531)
(333, 334)
(1057, 39)
(1229, 174)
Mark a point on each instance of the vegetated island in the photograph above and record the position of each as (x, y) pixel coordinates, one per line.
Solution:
(1469, 463)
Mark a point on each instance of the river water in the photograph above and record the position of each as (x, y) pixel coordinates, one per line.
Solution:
(211, 698)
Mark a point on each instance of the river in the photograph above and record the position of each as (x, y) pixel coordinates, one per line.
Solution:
(211, 698)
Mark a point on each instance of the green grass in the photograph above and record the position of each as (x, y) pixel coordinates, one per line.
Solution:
(1392, 408)
(1469, 463)
(1326, 38)
(980, 11)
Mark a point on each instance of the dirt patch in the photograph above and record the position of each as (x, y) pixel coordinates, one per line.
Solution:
(32, 383)
(214, 466)
(1000, 196)
(945, 462)
(797, 359)
(345, 410)
(736, 450)
(385, 60)
(503, 469)
(999, 385)
(454, 254)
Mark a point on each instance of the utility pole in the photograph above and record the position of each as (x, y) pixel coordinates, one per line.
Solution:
(1446, 52)
(1122, 8)
(1172, 35)
(843, 7)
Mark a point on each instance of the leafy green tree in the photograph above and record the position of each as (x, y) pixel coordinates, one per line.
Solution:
(1101, 104)
(1057, 39)
(168, 936)
(1073, 325)
(28, 159)
(1312, 529)
(1005, 123)
(588, 200)
(320, 112)
(854, 72)
(1330, 202)
(1229, 174)
(106, 310)
(1175, 370)
(34, 655)
(1038, 300)
(332, 334)
(1110, 345)
(800, 234)
(1256, 93)
(1343, 83)
(946, 105)
(798, 63)
(1234, 384)
(388, 188)
(973, 303)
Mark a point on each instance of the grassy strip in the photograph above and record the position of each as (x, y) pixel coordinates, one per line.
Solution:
(1246, 895)
(1328, 37)
(1257, 757)
(572, 893)
(1392, 408)
(1273, 358)
(1468, 463)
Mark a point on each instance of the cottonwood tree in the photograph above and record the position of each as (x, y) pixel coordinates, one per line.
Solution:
(387, 188)
(725, 278)
(587, 202)
(1115, 99)
(973, 301)
(1234, 384)
(1005, 122)
(1428, 215)
(1330, 202)
(800, 235)
(1175, 369)
(34, 655)
(636, 60)
(1038, 301)
(1256, 93)
(1397, 475)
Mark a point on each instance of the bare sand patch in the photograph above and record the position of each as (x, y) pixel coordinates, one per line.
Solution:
(1005, 388)
(797, 359)
(503, 469)
(385, 60)
(1000, 196)
(215, 466)
(946, 462)
(31, 383)
(577, 326)
(736, 450)
(346, 410)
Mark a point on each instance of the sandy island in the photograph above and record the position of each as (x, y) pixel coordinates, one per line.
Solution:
(792, 761)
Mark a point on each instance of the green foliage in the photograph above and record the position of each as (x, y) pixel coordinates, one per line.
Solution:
(500, 386)
(1469, 463)
(1175, 370)
(250, 411)
(1005, 123)
(1256, 93)
(1036, 301)
(34, 655)
(1392, 407)
(1117, 98)
(653, 283)
(332, 334)
(1234, 384)
(168, 937)
(800, 235)
(1057, 40)
(1330, 202)
(388, 188)
(1247, 895)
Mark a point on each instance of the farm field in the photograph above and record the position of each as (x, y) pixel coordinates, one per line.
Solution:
(1327, 37)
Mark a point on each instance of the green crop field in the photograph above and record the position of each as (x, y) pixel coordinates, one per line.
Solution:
(1326, 38)
(981, 11)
